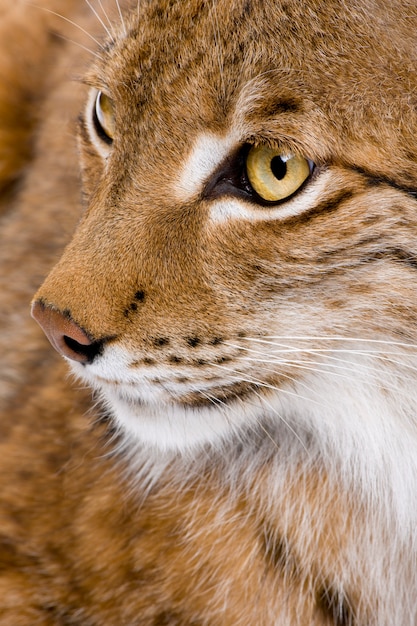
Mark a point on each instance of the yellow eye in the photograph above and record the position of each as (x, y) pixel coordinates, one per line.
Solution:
(274, 175)
(104, 117)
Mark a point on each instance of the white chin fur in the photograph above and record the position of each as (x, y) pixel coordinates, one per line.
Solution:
(362, 425)
(172, 428)
(150, 416)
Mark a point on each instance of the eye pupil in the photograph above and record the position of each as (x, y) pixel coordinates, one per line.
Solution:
(273, 174)
(278, 167)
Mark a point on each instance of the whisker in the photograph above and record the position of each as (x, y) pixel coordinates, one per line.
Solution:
(217, 401)
(263, 401)
(312, 365)
(386, 359)
(213, 400)
(245, 378)
(336, 363)
(329, 354)
(287, 376)
(285, 349)
(121, 17)
(267, 357)
(106, 16)
(372, 375)
(268, 338)
(98, 17)
(282, 419)
(66, 19)
(80, 45)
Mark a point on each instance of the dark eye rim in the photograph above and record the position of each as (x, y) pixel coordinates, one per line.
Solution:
(231, 179)
(101, 133)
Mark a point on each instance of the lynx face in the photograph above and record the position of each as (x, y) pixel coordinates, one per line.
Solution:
(246, 255)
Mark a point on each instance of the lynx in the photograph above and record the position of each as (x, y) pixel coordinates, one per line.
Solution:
(215, 205)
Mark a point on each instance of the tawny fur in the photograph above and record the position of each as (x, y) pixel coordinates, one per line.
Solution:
(250, 457)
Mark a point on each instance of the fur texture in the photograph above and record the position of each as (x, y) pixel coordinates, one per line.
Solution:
(250, 453)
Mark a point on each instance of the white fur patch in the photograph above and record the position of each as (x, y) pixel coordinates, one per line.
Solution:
(359, 410)
(205, 157)
(207, 154)
(145, 409)
(228, 208)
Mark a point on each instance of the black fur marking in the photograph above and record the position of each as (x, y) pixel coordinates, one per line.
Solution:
(105, 417)
(61, 616)
(223, 359)
(395, 254)
(172, 618)
(285, 105)
(133, 306)
(327, 206)
(140, 295)
(334, 605)
(160, 341)
(278, 553)
(330, 602)
(374, 180)
(193, 341)
(175, 359)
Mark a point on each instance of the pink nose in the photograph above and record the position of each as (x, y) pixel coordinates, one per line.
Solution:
(65, 335)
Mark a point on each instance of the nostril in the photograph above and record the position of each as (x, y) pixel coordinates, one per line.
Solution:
(65, 335)
(89, 351)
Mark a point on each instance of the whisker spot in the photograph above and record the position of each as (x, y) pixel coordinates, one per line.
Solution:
(175, 359)
(160, 341)
(193, 341)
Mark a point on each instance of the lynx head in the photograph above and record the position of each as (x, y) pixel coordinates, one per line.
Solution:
(247, 253)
